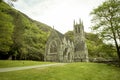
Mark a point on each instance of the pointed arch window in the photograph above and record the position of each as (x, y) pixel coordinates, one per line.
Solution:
(53, 47)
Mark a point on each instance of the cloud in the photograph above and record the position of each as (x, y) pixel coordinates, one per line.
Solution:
(59, 13)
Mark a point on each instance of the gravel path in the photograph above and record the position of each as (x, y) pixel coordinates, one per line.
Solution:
(29, 67)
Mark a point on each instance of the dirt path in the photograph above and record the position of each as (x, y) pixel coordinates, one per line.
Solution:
(29, 67)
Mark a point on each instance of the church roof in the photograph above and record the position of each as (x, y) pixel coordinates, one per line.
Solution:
(59, 34)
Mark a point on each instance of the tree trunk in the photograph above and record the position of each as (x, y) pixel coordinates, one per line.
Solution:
(118, 50)
(115, 40)
(118, 33)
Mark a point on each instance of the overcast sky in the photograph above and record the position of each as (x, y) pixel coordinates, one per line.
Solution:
(59, 13)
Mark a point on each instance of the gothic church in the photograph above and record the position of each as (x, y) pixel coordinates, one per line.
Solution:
(61, 49)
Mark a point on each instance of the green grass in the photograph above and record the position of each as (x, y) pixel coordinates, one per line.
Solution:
(72, 71)
(19, 63)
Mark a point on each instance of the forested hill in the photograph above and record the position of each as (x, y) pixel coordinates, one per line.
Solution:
(24, 38)
(20, 36)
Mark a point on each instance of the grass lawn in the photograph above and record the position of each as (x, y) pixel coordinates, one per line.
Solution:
(19, 63)
(71, 71)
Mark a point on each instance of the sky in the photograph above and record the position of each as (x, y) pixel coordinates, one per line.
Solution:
(59, 13)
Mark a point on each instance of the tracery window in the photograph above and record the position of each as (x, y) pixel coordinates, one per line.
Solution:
(53, 47)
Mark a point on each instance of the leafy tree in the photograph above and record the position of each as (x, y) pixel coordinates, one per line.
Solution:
(96, 47)
(69, 35)
(94, 44)
(10, 2)
(6, 32)
(98, 50)
(106, 19)
(21, 37)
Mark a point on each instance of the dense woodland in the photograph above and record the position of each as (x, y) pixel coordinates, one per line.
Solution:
(22, 38)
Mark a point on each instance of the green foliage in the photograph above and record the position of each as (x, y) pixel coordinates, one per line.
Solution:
(106, 18)
(0, 0)
(6, 31)
(72, 71)
(10, 2)
(98, 49)
(95, 45)
(21, 37)
(106, 21)
(69, 35)
(109, 49)
(42, 26)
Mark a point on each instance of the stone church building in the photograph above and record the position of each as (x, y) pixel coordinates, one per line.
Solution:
(61, 49)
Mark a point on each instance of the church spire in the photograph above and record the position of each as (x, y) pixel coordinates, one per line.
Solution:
(80, 21)
(81, 53)
(74, 23)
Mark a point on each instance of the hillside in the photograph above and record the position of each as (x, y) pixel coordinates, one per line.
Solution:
(21, 37)
(24, 38)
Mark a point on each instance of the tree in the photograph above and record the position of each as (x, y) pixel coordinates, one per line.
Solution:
(9, 2)
(106, 19)
(69, 35)
(96, 47)
(98, 50)
(6, 32)
(20, 36)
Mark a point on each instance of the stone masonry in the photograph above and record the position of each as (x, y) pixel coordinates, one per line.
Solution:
(61, 49)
